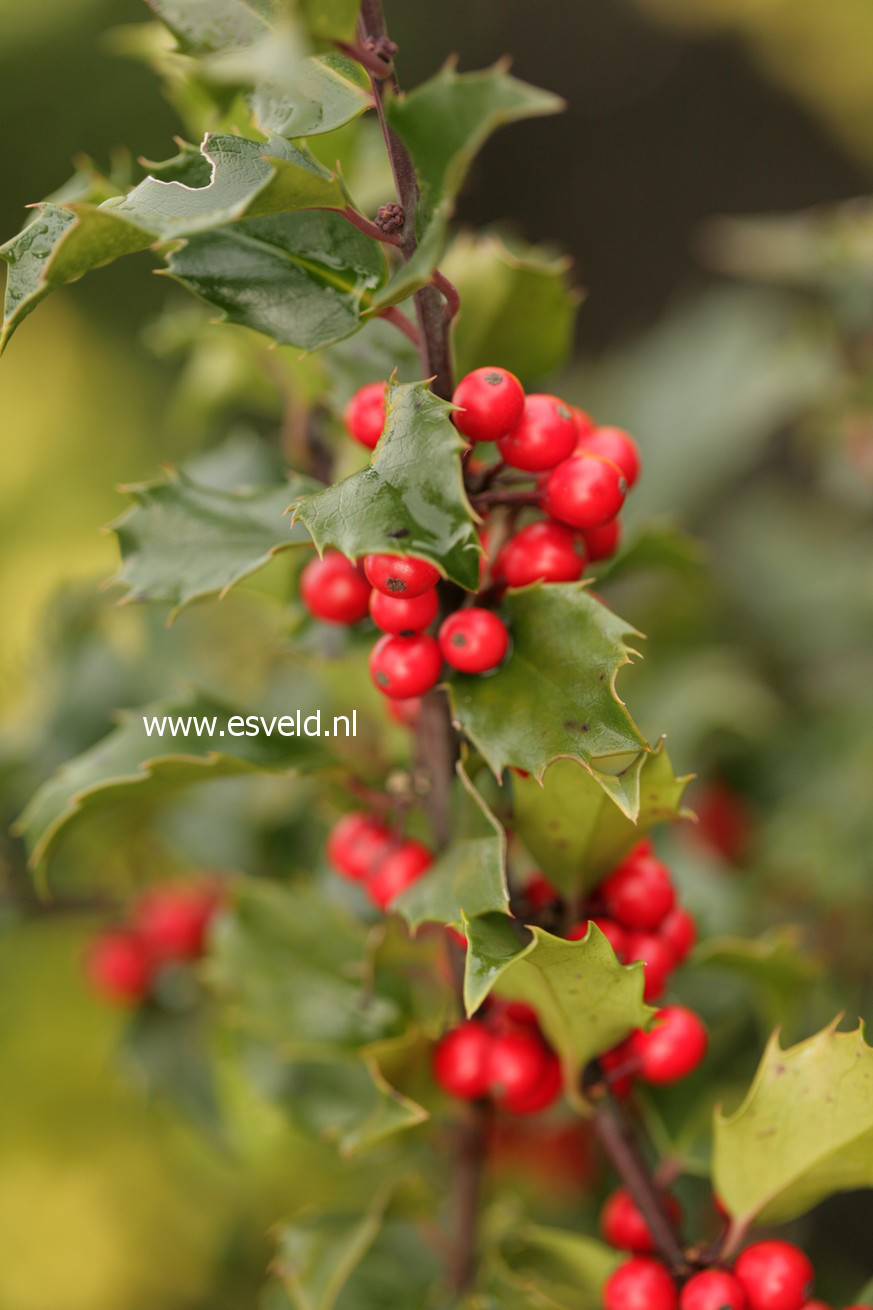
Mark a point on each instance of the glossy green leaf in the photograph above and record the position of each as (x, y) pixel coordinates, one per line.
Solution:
(181, 540)
(204, 26)
(330, 20)
(304, 279)
(410, 500)
(555, 695)
(318, 1253)
(349, 1102)
(586, 1000)
(804, 1131)
(576, 832)
(470, 876)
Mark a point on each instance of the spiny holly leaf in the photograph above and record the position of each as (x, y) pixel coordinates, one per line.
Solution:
(349, 1101)
(555, 695)
(804, 1131)
(776, 965)
(470, 877)
(304, 279)
(444, 123)
(576, 832)
(586, 1001)
(204, 26)
(133, 762)
(181, 540)
(410, 500)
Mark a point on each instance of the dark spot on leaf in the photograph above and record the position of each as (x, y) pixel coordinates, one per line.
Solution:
(395, 584)
(398, 534)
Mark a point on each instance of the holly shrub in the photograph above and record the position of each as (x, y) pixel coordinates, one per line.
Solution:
(463, 947)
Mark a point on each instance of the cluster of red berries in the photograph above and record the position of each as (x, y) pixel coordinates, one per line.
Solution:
(769, 1275)
(168, 925)
(502, 1055)
(364, 849)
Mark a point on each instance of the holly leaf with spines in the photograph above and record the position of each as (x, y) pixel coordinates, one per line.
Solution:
(129, 764)
(804, 1131)
(586, 1001)
(410, 500)
(574, 829)
(444, 123)
(776, 965)
(182, 540)
(349, 1101)
(470, 876)
(554, 697)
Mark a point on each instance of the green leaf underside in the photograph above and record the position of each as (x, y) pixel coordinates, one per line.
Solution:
(350, 1102)
(470, 877)
(127, 763)
(411, 498)
(555, 696)
(804, 1131)
(181, 540)
(444, 123)
(586, 1000)
(574, 829)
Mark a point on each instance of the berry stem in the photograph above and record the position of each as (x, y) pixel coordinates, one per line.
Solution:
(366, 225)
(500, 497)
(733, 1238)
(393, 315)
(449, 291)
(470, 1157)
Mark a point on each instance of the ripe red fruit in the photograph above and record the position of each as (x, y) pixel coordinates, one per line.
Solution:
(544, 1093)
(542, 551)
(517, 1061)
(119, 966)
(584, 491)
(639, 893)
(616, 445)
(619, 1057)
(612, 931)
(405, 711)
(400, 575)
(332, 589)
(508, 1016)
(823, 1305)
(670, 1050)
(774, 1276)
(460, 1060)
(657, 957)
(539, 891)
(173, 921)
(398, 869)
(640, 1284)
(403, 613)
(405, 666)
(491, 402)
(473, 640)
(601, 542)
(356, 841)
(678, 930)
(365, 414)
(713, 1290)
(623, 1225)
(585, 424)
(544, 435)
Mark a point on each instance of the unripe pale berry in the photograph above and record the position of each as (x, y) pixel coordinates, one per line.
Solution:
(712, 1290)
(119, 966)
(473, 640)
(491, 401)
(616, 445)
(672, 1048)
(398, 869)
(612, 931)
(405, 666)
(400, 575)
(640, 1284)
(775, 1276)
(623, 1225)
(541, 552)
(173, 921)
(365, 414)
(603, 541)
(639, 893)
(584, 491)
(545, 434)
(403, 613)
(333, 589)
(460, 1060)
(356, 841)
(657, 957)
(678, 930)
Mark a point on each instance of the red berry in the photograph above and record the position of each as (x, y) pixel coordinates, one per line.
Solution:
(670, 1050)
(517, 1061)
(601, 542)
(623, 1225)
(473, 640)
(460, 1060)
(712, 1290)
(365, 414)
(639, 893)
(400, 575)
(405, 711)
(616, 445)
(619, 1057)
(397, 870)
(491, 401)
(657, 957)
(542, 551)
(585, 424)
(823, 1305)
(539, 891)
(507, 1016)
(584, 491)
(544, 1093)
(774, 1276)
(173, 921)
(405, 666)
(544, 435)
(119, 965)
(403, 613)
(640, 1284)
(612, 931)
(356, 841)
(333, 589)
(678, 930)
